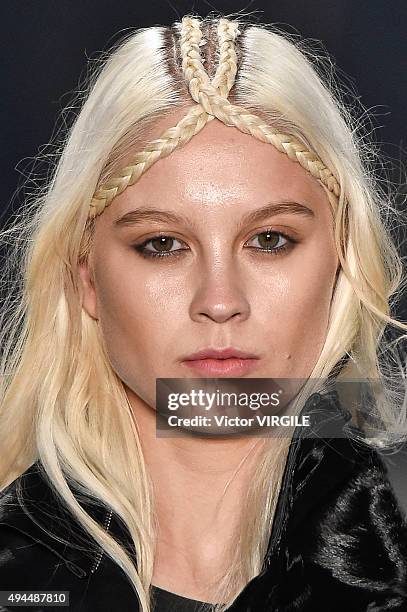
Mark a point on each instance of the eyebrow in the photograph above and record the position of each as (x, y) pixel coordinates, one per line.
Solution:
(139, 215)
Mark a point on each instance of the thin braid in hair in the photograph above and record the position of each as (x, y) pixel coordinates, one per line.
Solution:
(226, 72)
(211, 102)
(194, 120)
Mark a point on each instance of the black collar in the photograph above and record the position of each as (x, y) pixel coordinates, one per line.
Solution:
(304, 485)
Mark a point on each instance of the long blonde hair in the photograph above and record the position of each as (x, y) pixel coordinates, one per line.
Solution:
(61, 401)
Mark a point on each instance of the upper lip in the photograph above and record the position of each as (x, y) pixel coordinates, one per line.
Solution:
(225, 353)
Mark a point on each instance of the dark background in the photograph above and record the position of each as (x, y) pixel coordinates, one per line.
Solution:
(46, 43)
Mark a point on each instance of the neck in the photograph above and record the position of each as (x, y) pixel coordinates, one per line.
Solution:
(199, 490)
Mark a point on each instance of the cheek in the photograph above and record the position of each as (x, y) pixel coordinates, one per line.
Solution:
(137, 309)
(138, 314)
(296, 302)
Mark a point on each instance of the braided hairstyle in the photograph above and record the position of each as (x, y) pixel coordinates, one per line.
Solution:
(60, 399)
(211, 101)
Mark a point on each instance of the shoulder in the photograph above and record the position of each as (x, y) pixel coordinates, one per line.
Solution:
(29, 512)
(39, 550)
(24, 562)
(357, 540)
(27, 560)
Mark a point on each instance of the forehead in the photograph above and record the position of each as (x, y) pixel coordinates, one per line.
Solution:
(219, 165)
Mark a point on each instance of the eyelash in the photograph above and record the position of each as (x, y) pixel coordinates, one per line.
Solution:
(140, 248)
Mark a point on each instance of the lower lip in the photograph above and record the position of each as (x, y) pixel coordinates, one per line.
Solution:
(222, 367)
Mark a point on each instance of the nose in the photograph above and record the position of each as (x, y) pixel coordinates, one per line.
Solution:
(220, 297)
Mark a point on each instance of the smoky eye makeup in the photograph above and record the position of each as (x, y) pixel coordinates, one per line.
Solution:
(269, 242)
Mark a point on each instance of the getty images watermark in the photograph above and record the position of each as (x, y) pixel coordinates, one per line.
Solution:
(244, 406)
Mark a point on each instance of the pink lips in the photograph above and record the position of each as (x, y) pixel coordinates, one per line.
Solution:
(223, 362)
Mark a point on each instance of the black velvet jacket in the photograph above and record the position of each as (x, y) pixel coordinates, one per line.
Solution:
(338, 541)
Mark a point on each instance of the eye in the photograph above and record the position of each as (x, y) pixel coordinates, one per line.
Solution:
(271, 242)
(161, 246)
(164, 245)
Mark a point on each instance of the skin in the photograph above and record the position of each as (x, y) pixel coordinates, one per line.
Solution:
(216, 292)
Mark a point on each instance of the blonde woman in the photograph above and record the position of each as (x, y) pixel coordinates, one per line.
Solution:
(212, 213)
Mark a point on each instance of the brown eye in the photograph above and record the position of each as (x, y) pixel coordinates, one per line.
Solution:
(161, 246)
(271, 243)
(162, 243)
(268, 240)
